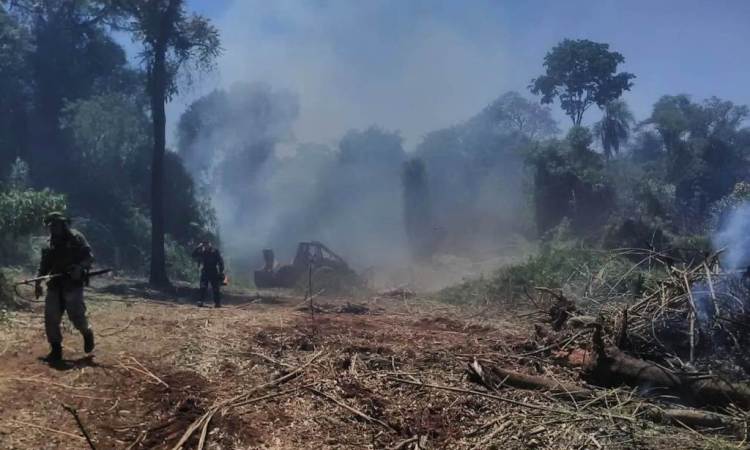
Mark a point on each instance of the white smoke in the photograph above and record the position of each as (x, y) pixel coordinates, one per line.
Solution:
(734, 238)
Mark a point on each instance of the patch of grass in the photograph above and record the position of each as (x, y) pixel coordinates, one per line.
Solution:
(571, 266)
(6, 290)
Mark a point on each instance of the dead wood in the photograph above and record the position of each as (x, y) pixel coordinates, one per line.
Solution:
(350, 409)
(610, 366)
(561, 310)
(85, 433)
(691, 418)
(495, 377)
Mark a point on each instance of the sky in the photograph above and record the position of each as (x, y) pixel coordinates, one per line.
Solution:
(419, 65)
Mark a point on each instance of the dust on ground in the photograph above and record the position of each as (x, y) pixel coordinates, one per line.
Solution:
(374, 372)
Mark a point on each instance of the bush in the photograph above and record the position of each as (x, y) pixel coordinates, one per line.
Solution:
(180, 264)
(6, 291)
(560, 264)
(21, 216)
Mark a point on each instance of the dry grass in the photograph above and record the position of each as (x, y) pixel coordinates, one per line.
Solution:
(261, 373)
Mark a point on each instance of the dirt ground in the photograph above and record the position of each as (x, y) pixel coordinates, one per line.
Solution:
(262, 372)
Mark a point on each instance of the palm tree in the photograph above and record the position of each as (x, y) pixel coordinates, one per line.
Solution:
(614, 128)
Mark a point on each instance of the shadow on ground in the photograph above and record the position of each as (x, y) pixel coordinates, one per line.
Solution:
(183, 294)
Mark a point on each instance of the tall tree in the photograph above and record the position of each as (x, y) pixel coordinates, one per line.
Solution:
(614, 128)
(417, 209)
(71, 57)
(15, 46)
(173, 42)
(581, 73)
(511, 112)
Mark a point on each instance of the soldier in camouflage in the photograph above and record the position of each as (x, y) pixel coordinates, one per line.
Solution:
(68, 253)
(212, 271)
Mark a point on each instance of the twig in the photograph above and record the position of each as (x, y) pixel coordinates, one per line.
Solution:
(484, 394)
(350, 409)
(692, 318)
(143, 370)
(51, 430)
(555, 344)
(120, 330)
(404, 443)
(492, 434)
(239, 400)
(271, 360)
(74, 412)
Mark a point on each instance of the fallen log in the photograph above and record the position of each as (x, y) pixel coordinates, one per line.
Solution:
(495, 378)
(610, 366)
(692, 418)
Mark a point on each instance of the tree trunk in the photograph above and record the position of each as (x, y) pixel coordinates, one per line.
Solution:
(158, 81)
(611, 367)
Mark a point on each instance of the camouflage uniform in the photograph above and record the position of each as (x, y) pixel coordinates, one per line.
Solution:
(212, 272)
(67, 252)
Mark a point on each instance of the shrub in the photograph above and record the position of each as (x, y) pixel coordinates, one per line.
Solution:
(21, 216)
(560, 263)
(180, 264)
(6, 290)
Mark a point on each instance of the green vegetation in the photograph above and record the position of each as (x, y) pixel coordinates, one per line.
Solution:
(6, 293)
(75, 134)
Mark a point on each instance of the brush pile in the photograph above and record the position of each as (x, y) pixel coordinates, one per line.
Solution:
(679, 333)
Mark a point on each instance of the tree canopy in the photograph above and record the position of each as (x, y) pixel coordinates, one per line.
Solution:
(581, 73)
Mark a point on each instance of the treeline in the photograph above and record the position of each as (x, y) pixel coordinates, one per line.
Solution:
(76, 135)
(466, 188)
(670, 178)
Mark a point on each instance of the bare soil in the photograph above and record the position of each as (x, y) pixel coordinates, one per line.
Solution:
(387, 373)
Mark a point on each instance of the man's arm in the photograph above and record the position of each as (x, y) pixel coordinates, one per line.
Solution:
(84, 258)
(44, 264)
(85, 255)
(197, 252)
(220, 262)
(44, 268)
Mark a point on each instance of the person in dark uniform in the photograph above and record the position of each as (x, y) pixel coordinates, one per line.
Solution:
(68, 253)
(212, 271)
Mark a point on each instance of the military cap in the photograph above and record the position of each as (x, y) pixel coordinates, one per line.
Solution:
(55, 216)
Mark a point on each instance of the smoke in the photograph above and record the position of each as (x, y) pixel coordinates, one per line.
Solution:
(734, 238)
(323, 103)
(404, 66)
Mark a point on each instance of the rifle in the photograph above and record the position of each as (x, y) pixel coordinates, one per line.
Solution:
(86, 276)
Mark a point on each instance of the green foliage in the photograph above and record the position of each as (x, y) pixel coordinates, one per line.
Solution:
(6, 293)
(22, 212)
(15, 47)
(614, 128)
(170, 36)
(560, 263)
(110, 132)
(512, 112)
(706, 152)
(581, 73)
(180, 264)
(19, 175)
(721, 209)
(21, 215)
(570, 182)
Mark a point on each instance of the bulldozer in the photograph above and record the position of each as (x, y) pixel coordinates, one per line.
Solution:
(313, 263)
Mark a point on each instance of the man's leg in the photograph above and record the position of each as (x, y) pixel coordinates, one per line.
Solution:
(203, 289)
(216, 286)
(76, 308)
(53, 309)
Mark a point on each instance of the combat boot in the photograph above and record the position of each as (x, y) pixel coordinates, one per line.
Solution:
(88, 341)
(55, 354)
